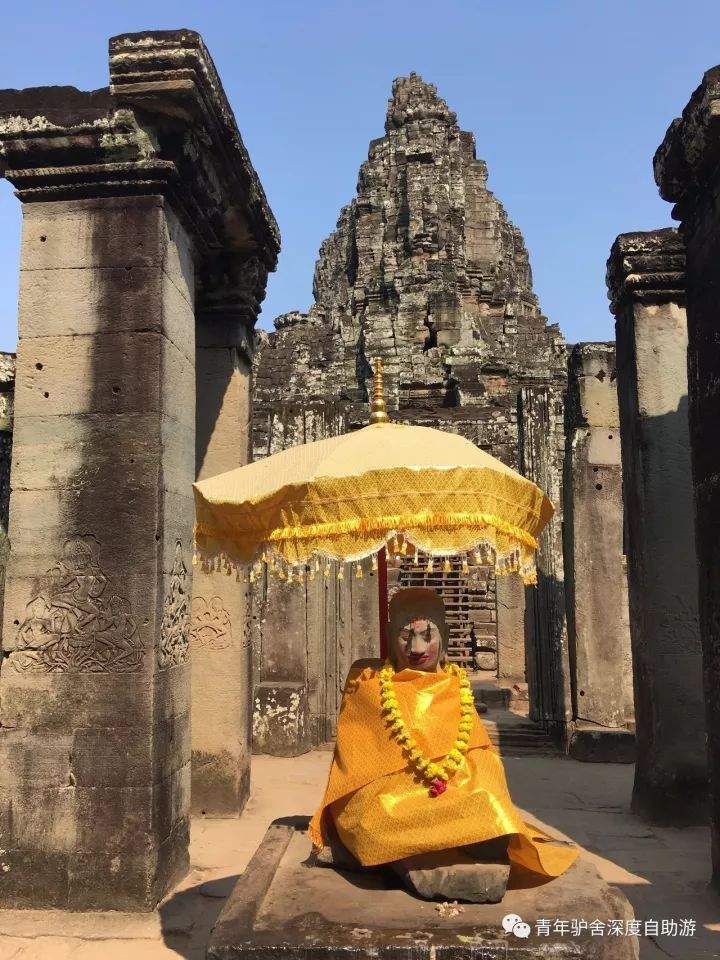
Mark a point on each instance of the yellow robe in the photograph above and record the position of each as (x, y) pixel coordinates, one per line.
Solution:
(380, 808)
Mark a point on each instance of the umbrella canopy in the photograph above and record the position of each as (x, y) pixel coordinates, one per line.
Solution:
(346, 497)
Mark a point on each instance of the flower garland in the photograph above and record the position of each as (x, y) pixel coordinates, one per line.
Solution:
(435, 774)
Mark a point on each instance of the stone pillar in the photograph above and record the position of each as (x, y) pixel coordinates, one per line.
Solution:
(281, 724)
(595, 575)
(95, 679)
(7, 403)
(541, 446)
(647, 290)
(219, 638)
(94, 685)
(510, 599)
(687, 172)
(305, 638)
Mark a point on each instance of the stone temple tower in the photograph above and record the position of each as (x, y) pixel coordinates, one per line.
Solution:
(425, 270)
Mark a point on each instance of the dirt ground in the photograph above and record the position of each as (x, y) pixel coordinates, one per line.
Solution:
(663, 872)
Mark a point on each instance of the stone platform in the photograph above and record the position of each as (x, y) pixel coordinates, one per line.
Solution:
(593, 743)
(285, 906)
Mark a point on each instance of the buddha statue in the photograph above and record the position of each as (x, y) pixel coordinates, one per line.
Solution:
(415, 784)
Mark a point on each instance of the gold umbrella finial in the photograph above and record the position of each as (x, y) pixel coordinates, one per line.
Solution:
(378, 407)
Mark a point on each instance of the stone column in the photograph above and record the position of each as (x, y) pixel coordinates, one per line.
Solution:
(541, 447)
(646, 285)
(510, 599)
(687, 172)
(95, 679)
(284, 630)
(94, 685)
(7, 401)
(599, 637)
(219, 637)
(305, 638)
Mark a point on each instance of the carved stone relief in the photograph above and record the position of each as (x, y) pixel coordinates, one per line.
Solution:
(211, 626)
(75, 623)
(175, 628)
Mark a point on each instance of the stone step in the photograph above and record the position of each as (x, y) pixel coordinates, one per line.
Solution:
(593, 743)
(514, 735)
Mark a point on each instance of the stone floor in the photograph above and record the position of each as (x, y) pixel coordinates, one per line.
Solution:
(662, 871)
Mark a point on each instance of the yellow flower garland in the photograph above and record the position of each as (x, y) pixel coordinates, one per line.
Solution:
(435, 774)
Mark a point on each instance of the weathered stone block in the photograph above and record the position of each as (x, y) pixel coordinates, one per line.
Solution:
(171, 694)
(113, 828)
(171, 803)
(38, 698)
(223, 410)
(52, 765)
(510, 594)
(597, 744)
(280, 721)
(39, 843)
(485, 661)
(268, 913)
(280, 608)
(111, 373)
(111, 757)
(452, 875)
(87, 300)
(125, 232)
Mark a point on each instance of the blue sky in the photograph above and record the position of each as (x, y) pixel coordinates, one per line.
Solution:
(567, 100)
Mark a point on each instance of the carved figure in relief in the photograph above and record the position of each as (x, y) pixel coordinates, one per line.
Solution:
(71, 625)
(175, 628)
(210, 624)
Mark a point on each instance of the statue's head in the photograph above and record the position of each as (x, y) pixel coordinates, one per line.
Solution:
(417, 632)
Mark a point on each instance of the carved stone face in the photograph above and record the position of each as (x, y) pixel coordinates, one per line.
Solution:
(417, 645)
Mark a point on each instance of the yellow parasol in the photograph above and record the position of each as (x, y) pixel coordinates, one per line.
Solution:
(346, 497)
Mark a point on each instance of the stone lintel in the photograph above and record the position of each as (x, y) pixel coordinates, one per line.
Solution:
(646, 267)
(687, 160)
(164, 126)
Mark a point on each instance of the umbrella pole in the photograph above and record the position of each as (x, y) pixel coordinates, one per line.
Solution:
(383, 601)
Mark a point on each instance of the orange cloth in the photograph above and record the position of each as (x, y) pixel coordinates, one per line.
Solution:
(380, 808)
